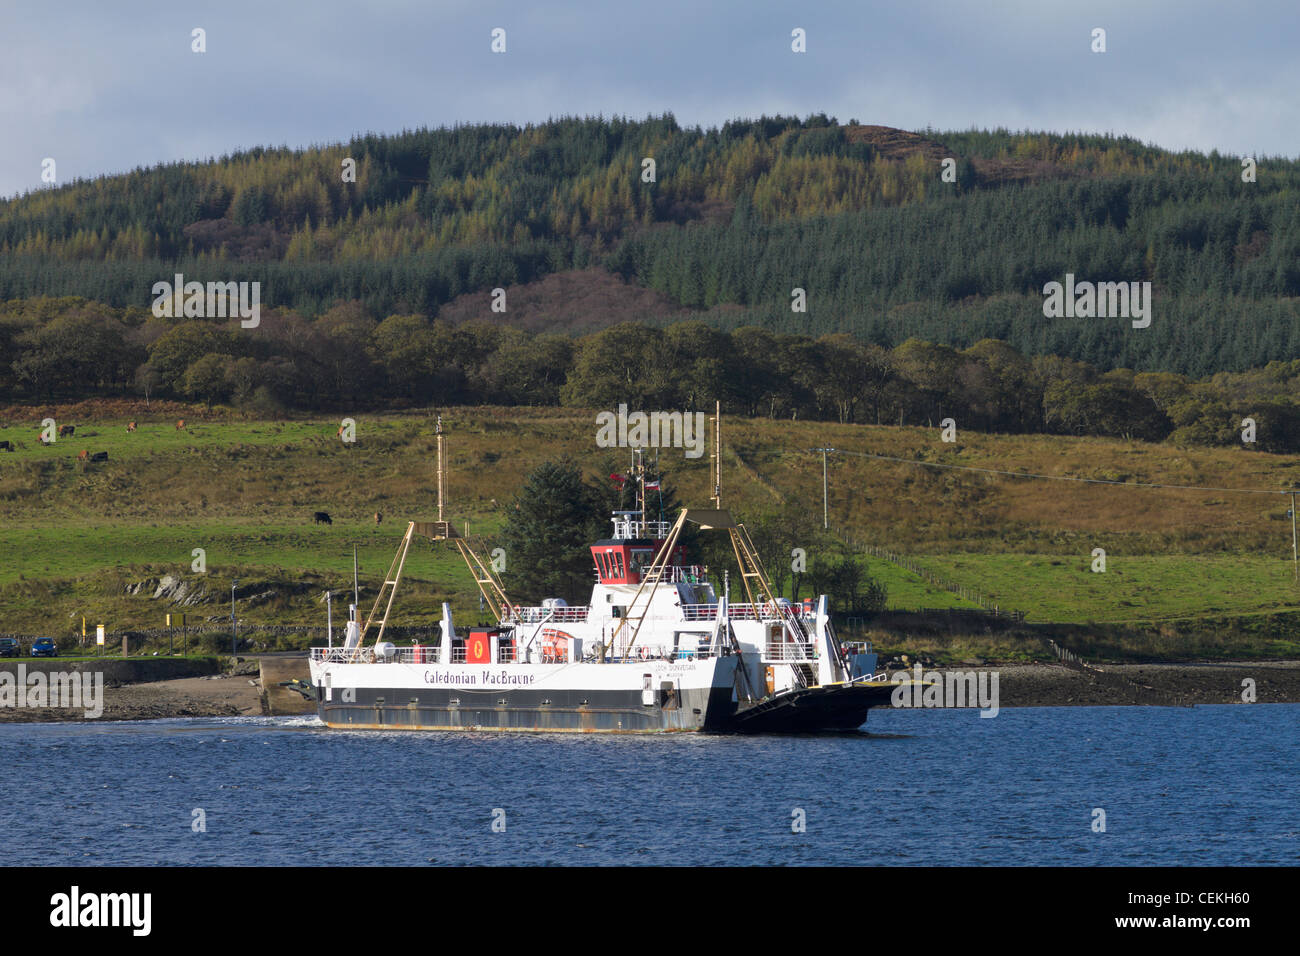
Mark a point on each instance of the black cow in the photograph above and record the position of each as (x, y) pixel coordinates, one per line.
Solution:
(99, 456)
(323, 518)
(6, 446)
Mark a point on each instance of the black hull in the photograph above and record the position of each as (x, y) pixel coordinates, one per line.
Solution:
(833, 707)
(836, 707)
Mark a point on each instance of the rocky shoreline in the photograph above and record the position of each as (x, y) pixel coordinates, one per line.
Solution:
(1159, 685)
(1019, 685)
(220, 696)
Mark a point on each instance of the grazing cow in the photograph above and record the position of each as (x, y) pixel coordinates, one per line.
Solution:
(6, 446)
(99, 456)
(180, 423)
(66, 431)
(378, 517)
(130, 426)
(83, 454)
(323, 518)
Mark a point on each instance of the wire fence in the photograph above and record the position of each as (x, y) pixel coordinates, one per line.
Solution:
(974, 595)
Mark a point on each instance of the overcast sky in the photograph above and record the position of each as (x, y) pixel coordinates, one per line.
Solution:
(104, 87)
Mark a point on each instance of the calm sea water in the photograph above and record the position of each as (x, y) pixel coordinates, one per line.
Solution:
(1208, 785)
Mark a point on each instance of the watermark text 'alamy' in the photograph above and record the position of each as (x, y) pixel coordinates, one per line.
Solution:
(651, 430)
(216, 300)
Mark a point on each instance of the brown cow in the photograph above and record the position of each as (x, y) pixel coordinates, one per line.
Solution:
(180, 424)
(83, 455)
(130, 426)
(66, 431)
(378, 517)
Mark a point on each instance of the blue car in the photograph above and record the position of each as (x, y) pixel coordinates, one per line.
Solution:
(44, 647)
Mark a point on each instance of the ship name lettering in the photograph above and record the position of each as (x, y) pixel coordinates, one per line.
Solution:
(447, 677)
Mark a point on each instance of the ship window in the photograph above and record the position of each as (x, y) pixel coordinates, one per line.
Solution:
(618, 564)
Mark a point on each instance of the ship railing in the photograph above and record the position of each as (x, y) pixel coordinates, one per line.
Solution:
(699, 612)
(628, 526)
(637, 654)
(417, 654)
(881, 678)
(744, 612)
(535, 615)
(802, 651)
(343, 655)
(684, 574)
(703, 652)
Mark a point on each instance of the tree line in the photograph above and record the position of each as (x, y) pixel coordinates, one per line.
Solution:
(350, 359)
(732, 220)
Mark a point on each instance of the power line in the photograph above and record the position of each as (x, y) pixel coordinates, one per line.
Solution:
(1025, 474)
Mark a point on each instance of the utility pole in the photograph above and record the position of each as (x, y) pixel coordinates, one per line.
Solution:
(234, 633)
(826, 523)
(1295, 554)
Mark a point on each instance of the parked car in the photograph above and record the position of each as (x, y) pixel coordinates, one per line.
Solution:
(9, 647)
(44, 647)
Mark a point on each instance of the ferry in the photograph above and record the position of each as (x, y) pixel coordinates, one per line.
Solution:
(657, 649)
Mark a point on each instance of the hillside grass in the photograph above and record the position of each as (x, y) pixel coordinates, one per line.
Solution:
(1133, 588)
(75, 535)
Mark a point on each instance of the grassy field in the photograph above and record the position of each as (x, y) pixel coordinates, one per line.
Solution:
(76, 536)
(1132, 588)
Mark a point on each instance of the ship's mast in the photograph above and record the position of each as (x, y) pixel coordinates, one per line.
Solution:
(639, 472)
(489, 585)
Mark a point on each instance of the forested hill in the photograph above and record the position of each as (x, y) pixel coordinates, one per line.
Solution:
(735, 218)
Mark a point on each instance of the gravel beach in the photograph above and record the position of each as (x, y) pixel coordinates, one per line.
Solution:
(187, 697)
